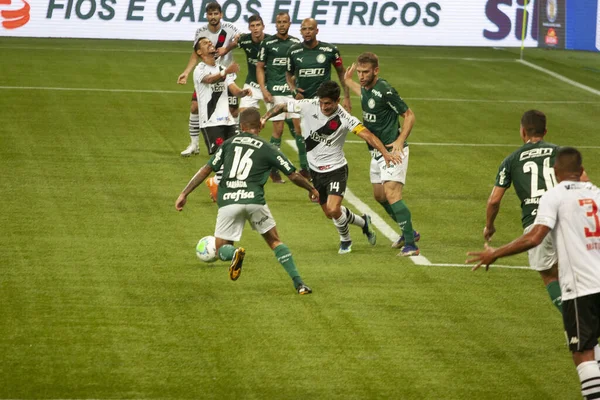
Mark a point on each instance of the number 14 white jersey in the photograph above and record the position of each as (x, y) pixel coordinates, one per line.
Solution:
(571, 210)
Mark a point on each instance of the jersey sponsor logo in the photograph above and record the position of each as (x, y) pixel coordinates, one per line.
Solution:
(218, 155)
(321, 58)
(249, 141)
(310, 72)
(534, 153)
(369, 117)
(531, 200)
(502, 177)
(238, 195)
(371, 103)
(393, 107)
(324, 167)
(217, 87)
(328, 49)
(299, 59)
(377, 93)
(295, 51)
(275, 48)
(236, 184)
(279, 61)
(284, 163)
(574, 340)
(281, 88)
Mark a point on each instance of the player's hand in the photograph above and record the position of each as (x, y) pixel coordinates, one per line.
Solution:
(349, 72)
(299, 94)
(391, 158)
(181, 200)
(485, 257)
(182, 79)
(233, 68)
(488, 233)
(313, 195)
(247, 92)
(263, 122)
(347, 104)
(396, 148)
(268, 97)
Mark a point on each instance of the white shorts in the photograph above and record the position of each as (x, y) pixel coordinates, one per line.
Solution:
(232, 218)
(380, 172)
(543, 256)
(251, 101)
(282, 116)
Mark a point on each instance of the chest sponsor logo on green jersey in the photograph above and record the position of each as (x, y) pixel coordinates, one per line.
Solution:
(248, 141)
(329, 49)
(377, 93)
(368, 117)
(535, 153)
(308, 72)
(295, 51)
(281, 88)
(279, 61)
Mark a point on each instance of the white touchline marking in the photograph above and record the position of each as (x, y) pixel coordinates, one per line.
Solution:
(467, 144)
(560, 77)
(388, 231)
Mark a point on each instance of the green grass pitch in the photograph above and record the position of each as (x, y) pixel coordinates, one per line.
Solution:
(101, 295)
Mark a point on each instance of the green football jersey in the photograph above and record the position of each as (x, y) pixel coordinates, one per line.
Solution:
(312, 66)
(273, 52)
(381, 107)
(529, 170)
(247, 160)
(251, 48)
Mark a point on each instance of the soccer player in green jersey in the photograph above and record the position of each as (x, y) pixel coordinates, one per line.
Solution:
(270, 74)
(309, 64)
(529, 170)
(246, 160)
(381, 107)
(250, 43)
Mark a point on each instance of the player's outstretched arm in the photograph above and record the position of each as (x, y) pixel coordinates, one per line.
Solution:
(223, 72)
(346, 102)
(355, 87)
(302, 182)
(196, 180)
(373, 141)
(193, 61)
(491, 212)
(276, 110)
(525, 242)
(221, 51)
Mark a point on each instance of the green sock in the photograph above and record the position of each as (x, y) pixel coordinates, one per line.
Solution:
(553, 289)
(284, 256)
(388, 209)
(226, 252)
(276, 142)
(403, 218)
(299, 143)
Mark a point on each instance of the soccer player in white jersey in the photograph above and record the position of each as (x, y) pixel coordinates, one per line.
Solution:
(213, 82)
(325, 125)
(570, 211)
(223, 36)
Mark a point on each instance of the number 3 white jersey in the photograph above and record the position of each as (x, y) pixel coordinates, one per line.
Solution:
(571, 210)
(220, 39)
(324, 136)
(213, 104)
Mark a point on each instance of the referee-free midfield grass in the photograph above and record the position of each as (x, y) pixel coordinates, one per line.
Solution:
(101, 295)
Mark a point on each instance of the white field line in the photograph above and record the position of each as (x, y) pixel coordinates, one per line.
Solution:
(468, 144)
(561, 77)
(388, 231)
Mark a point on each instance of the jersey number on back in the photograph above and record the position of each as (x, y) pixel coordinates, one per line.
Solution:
(240, 168)
(591, 213)
(548, 173)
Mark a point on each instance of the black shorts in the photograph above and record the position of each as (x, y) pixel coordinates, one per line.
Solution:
(332, 182)
(214, 136)
(233, 100)
(581, 317)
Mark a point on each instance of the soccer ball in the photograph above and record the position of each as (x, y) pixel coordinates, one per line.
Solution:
(206, 249)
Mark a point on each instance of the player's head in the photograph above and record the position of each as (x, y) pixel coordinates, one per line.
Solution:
(568, 164)
(309, 30)
(367, 68)
(282, 23)
(256, 25)
(204, 47)
(533, 124)
(329, 97)
(213, 13)
(250, 120)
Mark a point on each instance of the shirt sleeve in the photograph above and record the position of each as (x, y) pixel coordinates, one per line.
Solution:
(294, 106)
(291, 65)
(503, 177)
(262, 52)
(281, 162)
(216, 161)
(394, 101)
(548, 209)
(337, 57)
(230, 78)
(199, 73)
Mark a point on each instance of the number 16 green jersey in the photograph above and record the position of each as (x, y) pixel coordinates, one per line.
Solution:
(530, 171)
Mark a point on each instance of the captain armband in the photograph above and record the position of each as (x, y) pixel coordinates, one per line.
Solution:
(358, 128)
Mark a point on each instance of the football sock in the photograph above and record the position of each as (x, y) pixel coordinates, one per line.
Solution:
(284, 256)
(225, 252)
(403, 218)
(341, 224)
(299, 144)
(553, 289)
(388, 209)
(194, 127)
(353, 218)
(589, 375)
(275, 142)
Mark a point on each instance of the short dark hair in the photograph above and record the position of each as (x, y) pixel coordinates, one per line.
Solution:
(568, 159)
(255, 17)
(534, 123)
(329, 89)
(250, 117)
(213, 6)
(279, 14)
(197, 44)
(368, 58)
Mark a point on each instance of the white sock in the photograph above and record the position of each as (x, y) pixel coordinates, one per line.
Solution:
(589, 375)
(194, 127)
(341, 224)
(353, 218)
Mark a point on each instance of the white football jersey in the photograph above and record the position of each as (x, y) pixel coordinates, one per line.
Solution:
(213, 104)
(220, 39)
(324, 136)
(571, 210)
